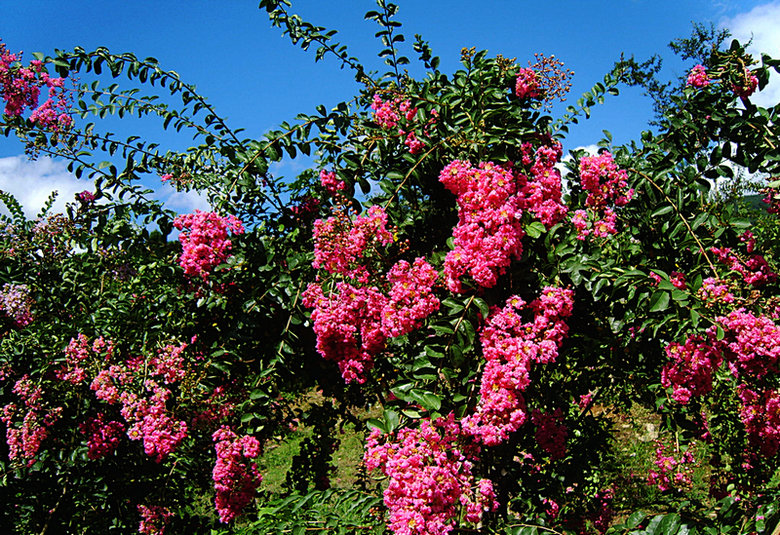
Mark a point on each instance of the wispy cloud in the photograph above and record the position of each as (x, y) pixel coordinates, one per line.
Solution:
(761, 25)
(32, 181)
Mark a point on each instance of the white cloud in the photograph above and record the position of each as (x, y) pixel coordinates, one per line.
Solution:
(762, 24)
(185, 202)
(31, 183)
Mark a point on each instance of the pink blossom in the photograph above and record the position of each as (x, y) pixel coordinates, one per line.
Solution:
(236, 477)
(698, 77)
(511, 347)
(154, 519)
(527, 84)
(330, 182)
(204, 240)
(341, 244)
(430, 478)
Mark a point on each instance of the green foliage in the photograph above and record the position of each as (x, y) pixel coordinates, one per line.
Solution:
(108, 268)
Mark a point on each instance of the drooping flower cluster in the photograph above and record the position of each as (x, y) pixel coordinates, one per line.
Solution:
(410, 299)
(348, 326)
(27, 426)
(714, 291)
(489, 232)
(154, 519)
(169, 363)
(16, 303)
(672, 471)
(511, 347)
(150, 420)
(607, 187)
(750, 346)
(21, 86)
(527, 84)
(146, 414)
(693, 364)
(235, 475)
(491, 202)
(545, 79)
(330, 182)
(79, 353)
(341, 244)
(754, 270)
(353, 319)
(204, 241)
(389, 114)
(103, 437)
(353, 323)
(760, 413)
(698, 77)
(541, 189)
(430, 478)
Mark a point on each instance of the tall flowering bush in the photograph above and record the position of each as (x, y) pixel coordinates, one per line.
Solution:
(445, 284)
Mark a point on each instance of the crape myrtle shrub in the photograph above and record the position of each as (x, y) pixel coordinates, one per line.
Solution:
(442, 266)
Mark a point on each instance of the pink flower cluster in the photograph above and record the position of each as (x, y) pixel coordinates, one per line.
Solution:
(714, 291)
(430, 478)
(330, 182)
(527, 84)
(103, 438)
(341, 245)
(27, 426)
(691, 368)
(760, 413)
(772, 199)
(678, 280)
(747, 87)
(352, 323)
(489, 232)
(204, 240)
(672, 471)
(154, 519)
(21, 87)
(146, 415)
(510, 347)
(410, 299)
(16, 303)
(755, 270)
(348, 326)
(169, 363)
(78, 352)
(698, 77)
(149, 420)
(85, 196)
(541, 190)
(750, 346)
(388, 113)
(491, 201)
(235, 476)
(607, 186)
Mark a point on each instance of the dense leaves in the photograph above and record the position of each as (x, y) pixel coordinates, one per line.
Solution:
(480, 308)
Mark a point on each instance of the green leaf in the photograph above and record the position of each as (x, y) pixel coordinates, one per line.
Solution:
(659, 301)
(535, 229)
(662, 211)
(431, 402)
(635, 519)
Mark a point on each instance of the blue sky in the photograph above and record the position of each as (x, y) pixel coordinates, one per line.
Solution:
(257, 78)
